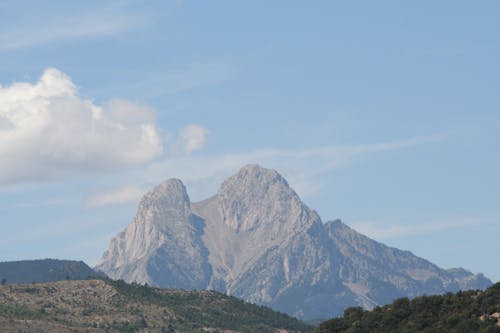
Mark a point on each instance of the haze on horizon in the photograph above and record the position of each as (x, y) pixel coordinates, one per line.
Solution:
(385, 115)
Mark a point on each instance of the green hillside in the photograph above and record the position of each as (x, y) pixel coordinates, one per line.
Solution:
(469, 311)
(114, 306)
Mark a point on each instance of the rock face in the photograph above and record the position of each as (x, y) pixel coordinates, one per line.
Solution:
(256, 240)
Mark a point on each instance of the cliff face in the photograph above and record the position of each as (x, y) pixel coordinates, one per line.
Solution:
(255, 239)
(163, 245)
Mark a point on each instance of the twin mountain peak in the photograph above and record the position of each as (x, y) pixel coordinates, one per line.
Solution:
(255, 239)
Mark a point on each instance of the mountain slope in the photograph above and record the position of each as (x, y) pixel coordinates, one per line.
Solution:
(154, 251)
(257, 240)
(114, 306)
(45, 270)
(379, 273)
(470, 311)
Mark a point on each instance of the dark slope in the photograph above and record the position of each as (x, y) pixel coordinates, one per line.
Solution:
(465, 311)
(45, 270)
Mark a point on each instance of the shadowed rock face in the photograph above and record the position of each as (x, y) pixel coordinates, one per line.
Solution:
(255, 239)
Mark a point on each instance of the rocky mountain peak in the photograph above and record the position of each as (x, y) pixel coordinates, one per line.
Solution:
(170, 194)
(253, 177)
(170, 189)
(255, 239)
(256, 196)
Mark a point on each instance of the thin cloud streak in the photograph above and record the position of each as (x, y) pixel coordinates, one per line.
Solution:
(382, 231)
(47, 203)
(102, 22)
(122, 195)
(182, 78)
(304, 168)
(441, 51)
(53, 230)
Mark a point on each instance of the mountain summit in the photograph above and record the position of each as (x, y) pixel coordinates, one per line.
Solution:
(257, 240)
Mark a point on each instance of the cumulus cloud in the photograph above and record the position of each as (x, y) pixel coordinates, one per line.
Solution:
(129, 112)
(191, 138)
(46, 130)
(127, 194)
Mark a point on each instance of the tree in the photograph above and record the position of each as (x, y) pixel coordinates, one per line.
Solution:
(4, 281)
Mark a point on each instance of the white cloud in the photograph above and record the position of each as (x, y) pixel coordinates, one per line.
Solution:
(48, 130)
(127, 194)
(129, 112)
(192, 137)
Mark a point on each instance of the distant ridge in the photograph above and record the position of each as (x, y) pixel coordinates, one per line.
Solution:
(255, 239)
(45, 270)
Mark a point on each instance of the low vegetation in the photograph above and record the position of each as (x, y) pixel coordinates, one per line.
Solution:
(115, 306)
(469, 311)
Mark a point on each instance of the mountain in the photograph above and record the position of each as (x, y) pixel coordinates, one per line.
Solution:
(257, 240)
(114, 306)
(470, 311)
(45, 270)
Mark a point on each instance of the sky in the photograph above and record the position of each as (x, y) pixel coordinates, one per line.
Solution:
(384, 114)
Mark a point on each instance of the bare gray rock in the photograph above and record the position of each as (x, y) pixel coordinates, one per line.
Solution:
(255, 239)
(162, 246)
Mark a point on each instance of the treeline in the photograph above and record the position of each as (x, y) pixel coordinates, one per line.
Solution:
(465, 311)
(197, 309)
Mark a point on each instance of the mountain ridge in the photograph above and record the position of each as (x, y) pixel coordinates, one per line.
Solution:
(45, 270)
(257, 240)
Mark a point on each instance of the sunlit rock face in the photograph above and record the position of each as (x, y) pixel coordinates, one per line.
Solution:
(255, 239)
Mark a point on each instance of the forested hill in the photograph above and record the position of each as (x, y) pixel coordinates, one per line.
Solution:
(115, 306)
(45, 270)
(466, 311)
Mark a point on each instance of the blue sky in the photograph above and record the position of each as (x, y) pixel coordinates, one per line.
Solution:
(385, 114)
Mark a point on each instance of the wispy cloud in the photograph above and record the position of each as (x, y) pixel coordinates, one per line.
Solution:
(122, 195)
(47, 203)
(52, 26)
(181, 78)
(304, 168)
(382, 231)
(57, 229)
(441, 51)
(190, 138)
